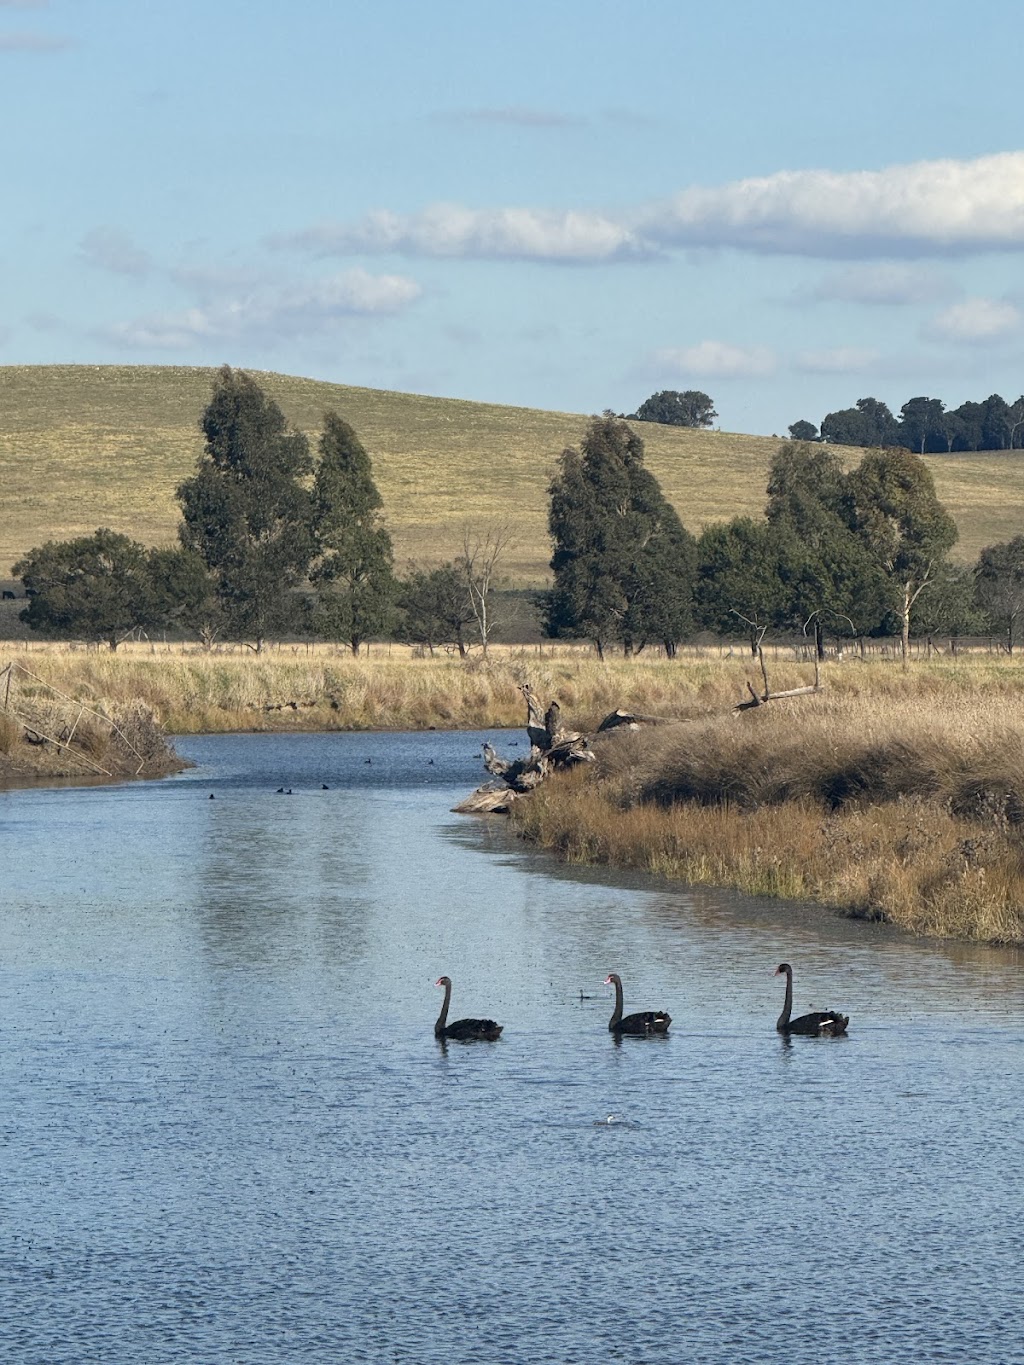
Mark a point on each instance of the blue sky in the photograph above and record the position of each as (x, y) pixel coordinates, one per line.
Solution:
(561, 205)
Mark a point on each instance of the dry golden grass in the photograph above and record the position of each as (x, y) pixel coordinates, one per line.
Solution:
(83, 446)
(391, 687)
(905, 807)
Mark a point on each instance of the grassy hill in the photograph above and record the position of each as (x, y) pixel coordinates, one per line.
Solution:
(83, 446)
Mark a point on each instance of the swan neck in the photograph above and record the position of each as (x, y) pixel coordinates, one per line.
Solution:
(617, 1011)
(442, 1018)
(787, 1008)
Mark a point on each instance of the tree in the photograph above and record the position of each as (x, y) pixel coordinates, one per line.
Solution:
(870, 423)
(833, 579)
(999, 587)
(900, 519)
(186, 592)
(623, 562)
(949, 607)
(996, 423)
(435, 607)
(245, 511)
(964, 427)
(741, 585)
(674, 409)
(353, 567)
(803, 431)
(482, 552)
(98, 587)
(921, 424)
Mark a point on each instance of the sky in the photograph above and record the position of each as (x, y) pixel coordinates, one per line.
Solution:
(566, 205)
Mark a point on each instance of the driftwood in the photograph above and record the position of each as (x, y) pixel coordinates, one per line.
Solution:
(551, 747)
(759, 699)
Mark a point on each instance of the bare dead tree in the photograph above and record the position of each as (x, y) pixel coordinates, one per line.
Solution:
(482, 552)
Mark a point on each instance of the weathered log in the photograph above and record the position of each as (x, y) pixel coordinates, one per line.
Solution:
(633, 719)
(491, 799)
(772, 696)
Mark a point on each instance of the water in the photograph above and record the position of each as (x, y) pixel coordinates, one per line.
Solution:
(228, 1134)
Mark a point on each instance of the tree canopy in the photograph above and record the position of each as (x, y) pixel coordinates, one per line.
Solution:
(246, 512)
(688, 409)
(623, 562)
(98, 587)
(352, 570)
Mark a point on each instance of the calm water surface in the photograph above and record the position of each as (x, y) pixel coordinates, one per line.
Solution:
(227, 1132)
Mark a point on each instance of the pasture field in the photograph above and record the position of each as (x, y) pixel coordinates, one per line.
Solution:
(83, 446)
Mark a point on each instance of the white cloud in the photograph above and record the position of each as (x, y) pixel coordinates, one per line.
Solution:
(926, 208)
(112, 250)
(882, 282)
(976, 320)
(717, 359)
(449, 230)
(839, 360)
(272, 314)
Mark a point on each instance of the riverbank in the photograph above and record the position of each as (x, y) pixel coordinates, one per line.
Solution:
(892, 794)
(903, 809)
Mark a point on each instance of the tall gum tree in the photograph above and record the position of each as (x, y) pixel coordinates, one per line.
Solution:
(901, 520)
(623, 562)
(246, 512)
(353, 568)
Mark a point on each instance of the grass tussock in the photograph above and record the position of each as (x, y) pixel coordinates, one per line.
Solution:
(908, 810)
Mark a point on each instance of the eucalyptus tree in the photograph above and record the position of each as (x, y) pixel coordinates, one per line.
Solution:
(246, 511)
(623, 563)
(352, 568)
(900, 519)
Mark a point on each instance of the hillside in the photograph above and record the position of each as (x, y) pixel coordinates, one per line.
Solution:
(83, 446)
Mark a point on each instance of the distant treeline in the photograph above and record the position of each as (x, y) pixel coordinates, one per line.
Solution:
(924, 425)
(279, 541)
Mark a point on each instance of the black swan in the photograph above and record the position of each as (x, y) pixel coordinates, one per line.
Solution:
(462, 1030)
(644, 1023)
(820, 1024)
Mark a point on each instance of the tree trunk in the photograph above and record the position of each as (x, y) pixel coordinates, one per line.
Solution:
(905, 624)
(819, 638)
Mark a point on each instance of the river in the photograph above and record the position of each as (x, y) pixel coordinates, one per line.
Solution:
(228, 1133)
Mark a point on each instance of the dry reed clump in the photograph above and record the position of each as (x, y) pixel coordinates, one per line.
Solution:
(839, 751)
(913, 865)
(909, 812)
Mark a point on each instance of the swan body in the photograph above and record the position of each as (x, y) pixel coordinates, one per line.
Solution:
(463, 1030)
(819, 1024)
(643, 1023)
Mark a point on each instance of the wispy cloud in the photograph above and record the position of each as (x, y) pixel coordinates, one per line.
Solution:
(109, 249)
(448, 230)
(976, 321)
(34, 42)
(271, 313)
(516, 116)
(717, 360)
(24, 4)
(883, 283)
(838, 360)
